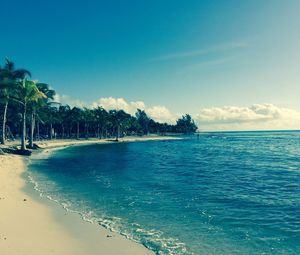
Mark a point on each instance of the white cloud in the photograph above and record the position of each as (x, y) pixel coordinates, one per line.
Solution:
(110, 103)
(64, 99)
(216, 48)
(161, 114)
(255, 117)
(207, 63)
(157, 113)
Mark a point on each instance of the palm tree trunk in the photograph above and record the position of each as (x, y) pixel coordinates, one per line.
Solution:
(38, 130)
(3, 133)
(51, 131)
(98, 131)
(62, 131)
(23, 134)
(118, 133)
(32, 129)
(77, 135)
(102, 132)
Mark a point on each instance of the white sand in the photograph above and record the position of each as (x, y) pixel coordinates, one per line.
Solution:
(67, 142)
(31, 225)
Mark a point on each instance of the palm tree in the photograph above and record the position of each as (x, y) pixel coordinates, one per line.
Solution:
(35, 105)
(101, 120)
(52, 119)
(28, 93)
(143, 120)
(186, 124)
(88, 118)
(9, 76)
(77, 117)
(119, 120)
(64, 118)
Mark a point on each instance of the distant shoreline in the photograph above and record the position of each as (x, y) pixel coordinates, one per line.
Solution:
(27, 218)
(249, 131)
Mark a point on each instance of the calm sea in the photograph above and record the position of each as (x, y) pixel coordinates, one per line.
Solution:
(221, 193)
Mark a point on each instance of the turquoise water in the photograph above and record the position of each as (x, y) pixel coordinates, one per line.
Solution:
(224, 193)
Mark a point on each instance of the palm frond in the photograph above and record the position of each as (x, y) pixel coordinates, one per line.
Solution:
(21, 73)
(9, 65)
(45, 88)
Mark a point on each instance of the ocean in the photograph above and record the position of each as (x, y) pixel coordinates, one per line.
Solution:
(219, 193)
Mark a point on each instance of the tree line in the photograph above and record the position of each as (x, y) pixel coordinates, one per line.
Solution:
(28, 111)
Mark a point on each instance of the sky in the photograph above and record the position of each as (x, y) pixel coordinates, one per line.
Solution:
(233, 65)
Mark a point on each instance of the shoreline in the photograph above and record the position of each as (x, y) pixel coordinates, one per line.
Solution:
(33, 224)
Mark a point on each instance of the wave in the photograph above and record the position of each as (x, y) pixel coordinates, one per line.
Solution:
(152, 239)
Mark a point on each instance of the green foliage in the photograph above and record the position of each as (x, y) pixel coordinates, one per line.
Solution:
(186, 125)
(28, 93)
(143, 121)
(9, 85)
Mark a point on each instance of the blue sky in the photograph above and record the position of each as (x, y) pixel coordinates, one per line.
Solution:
(187, 56)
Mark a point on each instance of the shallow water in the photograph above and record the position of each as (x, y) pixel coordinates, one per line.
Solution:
(224, 193)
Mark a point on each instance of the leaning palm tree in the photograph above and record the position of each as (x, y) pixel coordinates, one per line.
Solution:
(9, 77)
(28, 93)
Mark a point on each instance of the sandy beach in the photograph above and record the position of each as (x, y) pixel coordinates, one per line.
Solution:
(30, 224)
